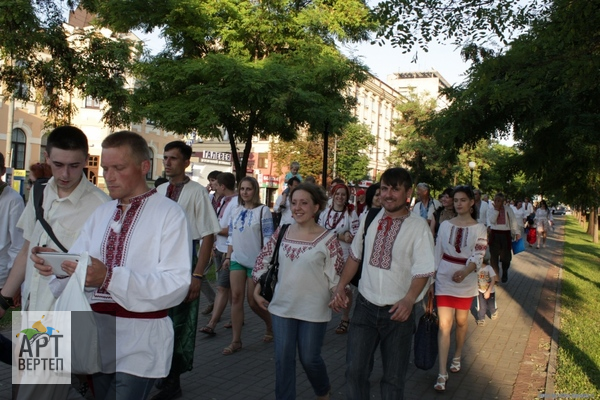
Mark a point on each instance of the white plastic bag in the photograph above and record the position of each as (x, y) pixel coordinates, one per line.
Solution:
(85, 351)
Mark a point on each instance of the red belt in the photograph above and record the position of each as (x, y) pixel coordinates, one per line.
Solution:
(117, 310)
(454, 260)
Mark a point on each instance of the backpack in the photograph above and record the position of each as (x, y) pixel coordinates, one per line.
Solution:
(368, 219)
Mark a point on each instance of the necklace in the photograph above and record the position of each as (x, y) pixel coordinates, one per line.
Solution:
(336, 218)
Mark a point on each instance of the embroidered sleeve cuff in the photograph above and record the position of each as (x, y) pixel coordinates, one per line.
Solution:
(107, 279)
(354, 257)
(427, 275)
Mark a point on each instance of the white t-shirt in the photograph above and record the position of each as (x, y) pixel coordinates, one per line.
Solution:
(226, 209)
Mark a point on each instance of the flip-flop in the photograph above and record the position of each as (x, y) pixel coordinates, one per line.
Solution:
(207, 330)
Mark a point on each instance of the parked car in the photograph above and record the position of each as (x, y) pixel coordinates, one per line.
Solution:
(560, 210)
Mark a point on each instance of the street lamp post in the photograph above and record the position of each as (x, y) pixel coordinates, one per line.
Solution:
(472, 166)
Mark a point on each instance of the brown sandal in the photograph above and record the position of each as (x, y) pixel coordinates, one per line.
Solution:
(342, 327)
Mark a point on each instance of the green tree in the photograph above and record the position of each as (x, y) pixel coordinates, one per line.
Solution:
(418, 151)
(42, 61)
(308, 151)
(545, 90)
(415, 23)
(352, 159)
(255, 68)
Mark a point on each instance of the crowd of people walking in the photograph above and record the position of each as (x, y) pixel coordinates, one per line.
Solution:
(151, 248)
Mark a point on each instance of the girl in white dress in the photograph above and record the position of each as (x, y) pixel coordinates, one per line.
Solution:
(459, 250)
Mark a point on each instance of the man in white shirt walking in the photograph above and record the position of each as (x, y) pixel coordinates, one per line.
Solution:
(398, 261)
(193, 198)
(141, 251)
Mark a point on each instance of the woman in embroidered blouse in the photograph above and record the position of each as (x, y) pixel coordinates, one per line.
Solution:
(543, 220)
(341, 218)
(310, 260)
(460, 247)
(443, 212)
(250, 228)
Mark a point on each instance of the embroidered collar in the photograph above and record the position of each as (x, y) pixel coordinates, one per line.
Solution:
(138, 199)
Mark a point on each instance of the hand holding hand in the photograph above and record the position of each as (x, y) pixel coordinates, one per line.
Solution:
(339, 299)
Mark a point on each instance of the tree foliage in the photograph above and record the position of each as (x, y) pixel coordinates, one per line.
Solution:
(42, 61)
(545, 91)
(416, 23)
(256, 68)
(352, 159)
(307, 151)
(419, 151)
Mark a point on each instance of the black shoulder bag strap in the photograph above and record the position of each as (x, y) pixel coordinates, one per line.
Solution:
(38, 199)
(368, 219)
(275, 258)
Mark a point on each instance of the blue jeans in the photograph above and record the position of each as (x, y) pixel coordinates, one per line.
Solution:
(121, 386)
(372, 326)
(290, 333)
(484, 305)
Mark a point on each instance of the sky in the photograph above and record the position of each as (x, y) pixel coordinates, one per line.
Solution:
(385, 60)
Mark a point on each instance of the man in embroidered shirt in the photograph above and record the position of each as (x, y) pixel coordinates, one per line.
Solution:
(502, 228)
(426, 206)
(140, 249)
(398, 263)
(68, 200)
(193, 198)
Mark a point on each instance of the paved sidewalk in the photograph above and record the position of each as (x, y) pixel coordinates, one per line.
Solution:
(506, 359)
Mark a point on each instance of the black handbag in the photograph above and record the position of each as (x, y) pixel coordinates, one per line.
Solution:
(268, 280)
(426, 336)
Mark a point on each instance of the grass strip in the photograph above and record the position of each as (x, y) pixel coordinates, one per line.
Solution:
(578, 369)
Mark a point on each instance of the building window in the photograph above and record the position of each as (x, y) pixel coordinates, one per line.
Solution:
(263, 160)
(91, 102)
(149, 175)
(19, 140)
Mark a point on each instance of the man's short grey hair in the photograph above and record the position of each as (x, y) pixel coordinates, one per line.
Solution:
(423, 185)
(477, 191)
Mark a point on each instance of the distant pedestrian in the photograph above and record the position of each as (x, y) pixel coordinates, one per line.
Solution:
(426, 206)
(444, 212)
(504, 229)
(543, 221)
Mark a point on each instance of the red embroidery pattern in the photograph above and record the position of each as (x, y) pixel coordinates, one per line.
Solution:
(458, 239)
(116, 245)
(501, 217)
(387, 231)
(332, 221)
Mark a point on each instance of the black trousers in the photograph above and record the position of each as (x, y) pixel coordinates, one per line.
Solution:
(500, 249)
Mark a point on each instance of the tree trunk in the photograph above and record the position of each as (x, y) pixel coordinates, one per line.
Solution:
(595, 224)
(325, 154)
